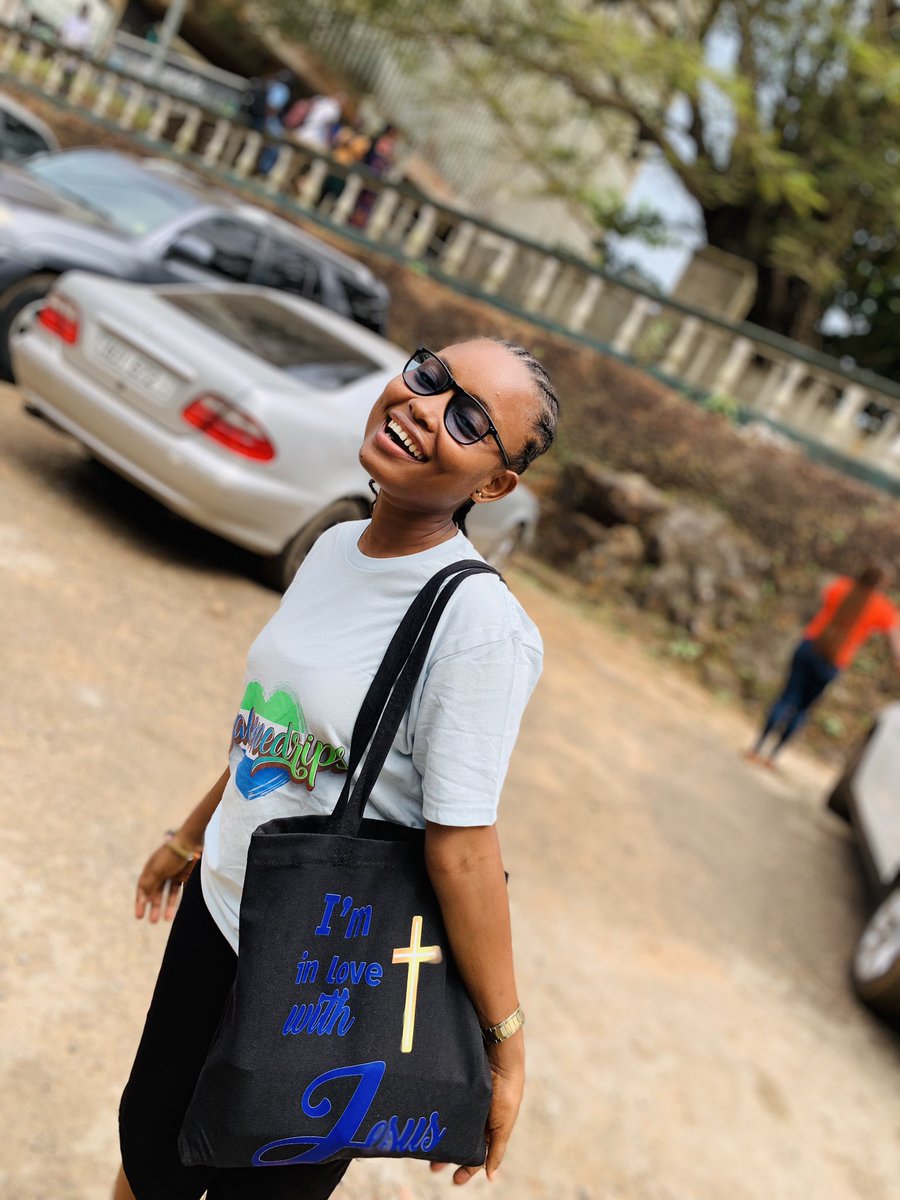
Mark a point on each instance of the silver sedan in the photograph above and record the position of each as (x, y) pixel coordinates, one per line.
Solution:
(240, 408)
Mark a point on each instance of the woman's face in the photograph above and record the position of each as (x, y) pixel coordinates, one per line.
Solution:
(441, 473)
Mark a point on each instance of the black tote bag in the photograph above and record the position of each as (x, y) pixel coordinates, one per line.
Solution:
(348, 1032)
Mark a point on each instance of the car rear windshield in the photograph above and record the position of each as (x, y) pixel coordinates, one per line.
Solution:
(131, 200)
(278, 335)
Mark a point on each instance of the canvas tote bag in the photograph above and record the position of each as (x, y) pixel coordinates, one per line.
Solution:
(348, 1032)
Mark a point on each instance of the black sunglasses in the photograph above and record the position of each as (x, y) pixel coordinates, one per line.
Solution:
(465, 418)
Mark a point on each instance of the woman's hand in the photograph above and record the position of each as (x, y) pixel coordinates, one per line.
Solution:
(159, 885)
(507, 1063)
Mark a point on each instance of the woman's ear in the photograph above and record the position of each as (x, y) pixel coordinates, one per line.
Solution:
(496, 488)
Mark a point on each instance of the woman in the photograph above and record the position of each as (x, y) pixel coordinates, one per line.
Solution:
(852, 610)
(452, 430)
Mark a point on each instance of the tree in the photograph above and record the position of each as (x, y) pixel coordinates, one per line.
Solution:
(778, 116)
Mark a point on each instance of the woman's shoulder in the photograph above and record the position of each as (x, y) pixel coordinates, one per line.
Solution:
(482, 611)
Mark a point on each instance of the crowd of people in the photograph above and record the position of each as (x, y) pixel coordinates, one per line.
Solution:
(323, 123)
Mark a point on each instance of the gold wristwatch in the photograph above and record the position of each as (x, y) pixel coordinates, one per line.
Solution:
(495, 1034)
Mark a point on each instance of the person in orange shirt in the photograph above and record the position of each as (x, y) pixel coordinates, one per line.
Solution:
(852, 610)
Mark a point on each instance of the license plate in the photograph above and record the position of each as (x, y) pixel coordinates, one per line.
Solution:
(136, 367)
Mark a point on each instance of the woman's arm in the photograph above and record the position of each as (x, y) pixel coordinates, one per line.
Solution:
(165, 869)
(466, 871)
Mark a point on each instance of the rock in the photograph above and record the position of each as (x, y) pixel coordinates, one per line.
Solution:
(564, 535)
(613, 558)
(611, 497)
(762, 434)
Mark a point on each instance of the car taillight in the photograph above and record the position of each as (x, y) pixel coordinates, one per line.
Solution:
(225, 423)
(60, 316)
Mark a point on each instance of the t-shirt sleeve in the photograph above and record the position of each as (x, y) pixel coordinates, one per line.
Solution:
(468, 719)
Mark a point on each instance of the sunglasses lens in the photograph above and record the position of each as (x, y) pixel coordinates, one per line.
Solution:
(426, 376)
(465, 421)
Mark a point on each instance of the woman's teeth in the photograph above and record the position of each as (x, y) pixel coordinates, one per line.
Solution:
(405, 440)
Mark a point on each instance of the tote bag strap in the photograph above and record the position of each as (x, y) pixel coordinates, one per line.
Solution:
(391, 690)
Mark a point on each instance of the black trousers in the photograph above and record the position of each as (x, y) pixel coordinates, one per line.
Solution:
(195, 978)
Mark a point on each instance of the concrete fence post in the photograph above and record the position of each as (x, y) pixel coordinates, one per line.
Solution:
(310, 185)
(136, 95)
(631, 326)
(382, 214)
(217, 142)
(843, 427)
(537, 294)
(10, 50)
(161, 116)
(54, 77)
(584, 305)
(246, 160)
(105, 94)
(779, 403)
(680, 346)
(32, 59)
(458, 247)
(346, 202)
(418, 238)
(734, 366)
(500, 267)
(276, 178)
(190, 127)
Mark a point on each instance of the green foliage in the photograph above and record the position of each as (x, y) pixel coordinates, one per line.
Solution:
(685, 649)
(791, 151)
(726, 406)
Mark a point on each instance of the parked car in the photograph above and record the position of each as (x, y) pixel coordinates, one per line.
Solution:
(142, 220)
(868, 796)
(21, 133)
(240, 408)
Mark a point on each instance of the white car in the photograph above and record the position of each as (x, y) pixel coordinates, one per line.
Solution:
(240, 408)
(868, 796)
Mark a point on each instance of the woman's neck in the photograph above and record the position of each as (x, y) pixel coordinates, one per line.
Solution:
(395, 532)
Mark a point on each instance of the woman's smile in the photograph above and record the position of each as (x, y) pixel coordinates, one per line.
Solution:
(401, 436)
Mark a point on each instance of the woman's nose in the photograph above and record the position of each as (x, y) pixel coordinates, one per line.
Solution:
(426, 410)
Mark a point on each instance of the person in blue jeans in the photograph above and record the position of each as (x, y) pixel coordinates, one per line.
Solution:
(852, 610)
(278, 96)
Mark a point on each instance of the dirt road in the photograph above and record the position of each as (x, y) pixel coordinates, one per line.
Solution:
(683, 921)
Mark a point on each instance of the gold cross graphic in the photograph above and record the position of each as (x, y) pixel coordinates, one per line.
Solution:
(413, 955)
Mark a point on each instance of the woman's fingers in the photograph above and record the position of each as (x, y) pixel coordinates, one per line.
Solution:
(464, 1174)
(159, 886)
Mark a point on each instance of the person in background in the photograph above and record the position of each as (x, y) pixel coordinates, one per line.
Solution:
(349, 145)
(380, 160)
(322, 115)
(77, 30)
(852, 610)
(278, 97)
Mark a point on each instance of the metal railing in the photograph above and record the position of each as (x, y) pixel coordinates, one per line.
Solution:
(851, 416)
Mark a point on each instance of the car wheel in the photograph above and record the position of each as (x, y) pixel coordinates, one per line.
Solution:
(16, 298)
(501, 550)
(876, 964)
(280, 569)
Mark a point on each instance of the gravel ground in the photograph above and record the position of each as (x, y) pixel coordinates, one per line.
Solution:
(683, 921)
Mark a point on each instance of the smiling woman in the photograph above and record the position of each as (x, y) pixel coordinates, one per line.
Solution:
(454, 429)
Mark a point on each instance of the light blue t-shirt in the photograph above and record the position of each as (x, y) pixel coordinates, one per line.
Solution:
(307, 674)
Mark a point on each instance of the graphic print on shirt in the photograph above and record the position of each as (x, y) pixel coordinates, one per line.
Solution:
(278, 746)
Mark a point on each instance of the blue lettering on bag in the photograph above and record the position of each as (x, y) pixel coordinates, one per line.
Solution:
(415, 1134)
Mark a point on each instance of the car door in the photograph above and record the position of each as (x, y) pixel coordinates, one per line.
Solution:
(18, 140)
(288, 267)
(215, 247)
